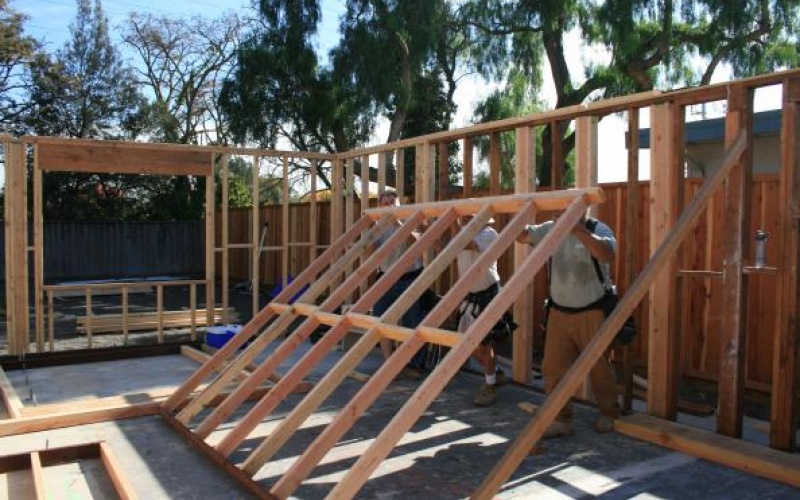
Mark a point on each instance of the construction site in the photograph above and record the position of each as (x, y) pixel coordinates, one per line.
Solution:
(262, 378)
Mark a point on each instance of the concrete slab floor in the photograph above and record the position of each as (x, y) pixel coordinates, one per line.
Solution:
(446, 454)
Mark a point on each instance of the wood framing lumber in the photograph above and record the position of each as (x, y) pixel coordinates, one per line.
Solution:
(24, 424)
(399, 359)
(524, 315)
(783, 406)
(200, 445)
(432, 386)
(544, 201)
(38, 476)
(8, 396)
(735, 239)
(736, 453)
(118, 478)
(277, 328)
(349, 362)
(119, 158)
(605, 335)
(252, 328)
(297, 337)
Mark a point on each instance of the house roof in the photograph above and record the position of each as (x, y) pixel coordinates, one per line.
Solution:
(765, 123)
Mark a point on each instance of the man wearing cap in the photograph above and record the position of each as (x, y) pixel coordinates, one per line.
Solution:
(415, 314)
(484, 287)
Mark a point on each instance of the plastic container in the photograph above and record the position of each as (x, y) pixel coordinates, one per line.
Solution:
(217, 336)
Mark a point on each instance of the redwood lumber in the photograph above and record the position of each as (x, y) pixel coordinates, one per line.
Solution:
(730, 452)
(8, 397)
(783, 415)
(120, 158)
(735, 249)
(558, 398)
(121, 483)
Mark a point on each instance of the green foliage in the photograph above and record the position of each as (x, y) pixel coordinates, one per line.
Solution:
(16, 48)
(87, 90)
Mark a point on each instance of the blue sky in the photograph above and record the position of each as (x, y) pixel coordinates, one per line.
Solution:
(50, 19)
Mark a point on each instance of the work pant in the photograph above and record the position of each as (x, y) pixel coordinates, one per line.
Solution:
(567, 336)
(412, 317)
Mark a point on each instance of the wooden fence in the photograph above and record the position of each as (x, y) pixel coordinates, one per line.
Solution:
(700, 312)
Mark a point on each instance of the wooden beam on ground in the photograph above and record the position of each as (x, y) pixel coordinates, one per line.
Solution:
(118, 478)
(9, 397)
(38, 476)
(783, 415)
(605, 335)
(736, 224)
(663, 338)
(25, 425)
(216, 457)
(727, 451)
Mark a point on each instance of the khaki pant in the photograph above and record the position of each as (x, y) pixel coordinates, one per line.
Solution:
(567, 336)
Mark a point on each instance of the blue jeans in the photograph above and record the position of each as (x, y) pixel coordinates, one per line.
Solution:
(412, 317)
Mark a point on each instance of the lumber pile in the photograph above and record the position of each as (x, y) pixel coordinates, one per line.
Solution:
(110, 323)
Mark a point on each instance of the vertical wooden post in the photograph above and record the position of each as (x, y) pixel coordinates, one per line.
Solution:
(556, 155)
(468, 159)
(734, 281)
(38, 253)
(160, 312)
(783, 425)
(444, 172)
(666, 146)
(400, 176)
(495, 163)
(586, 176)
(255, 234)
(631, 241)
(285, 228)
(224, 229)
(126, 315)
(16, 249)
(51, 322)
(525, 311)
(89, 321)
(193, 310)
(424, 173)
(337, 224)
(313, 219)
(211, 257)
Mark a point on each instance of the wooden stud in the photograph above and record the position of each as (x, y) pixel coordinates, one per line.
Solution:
(783, 414)
(256, 231)
(468, 160)
(38, 254)
(631, 239)
(126, 315)
(38, 476)
(224, 230)
(211, 258)
(400, 159)
(160, 312)
(444, 172)
(556, 155)
(525, 311)
(663, 342)
(734, 282)
(495, 163)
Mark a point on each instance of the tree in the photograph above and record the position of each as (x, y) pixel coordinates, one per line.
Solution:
(183, 62)
(650, 43)
(16, 50)
(86, 91)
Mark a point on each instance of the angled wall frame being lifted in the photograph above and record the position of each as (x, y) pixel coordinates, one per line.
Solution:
(277, 318)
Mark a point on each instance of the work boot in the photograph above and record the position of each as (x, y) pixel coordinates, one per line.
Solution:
(604, 424)
(487, 395)
(558, 429)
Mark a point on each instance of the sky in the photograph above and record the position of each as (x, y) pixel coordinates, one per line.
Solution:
(49, 21)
